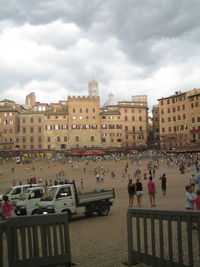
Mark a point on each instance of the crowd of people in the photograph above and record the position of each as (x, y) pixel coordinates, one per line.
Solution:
(140, 178)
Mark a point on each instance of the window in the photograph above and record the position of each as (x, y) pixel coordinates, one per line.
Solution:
(31, 120)
(183, 107)
(39, 120)
(103, 140)
(133, 128)
(93, 110)
(163, 130)
(80, 110)
(24, 130)
(58, 138)
(125, 118)
(161, 102)
(162, 120)
(140, 128)
(193, 120)
(77, 138)
(169, 119)
(31, 129)
(39, 139)
(74, 110)
(170, 129)
(179, 117)
(192, 105)
(178, 108)
(56, 117)
(168, 101)
(103, 126)
(168, 110)
(92, 138)
(24, 120)
(23, 139)
(125, 110)
(174, 118)
(140, 118)
(198, 119)
(39, 129)
(162, 111)
(63, 146)
(126, 128)
(49, 146)
(174, 109)
(184, 116)
(48, 139)
(65, 138)
(31, 139)
(86, 110)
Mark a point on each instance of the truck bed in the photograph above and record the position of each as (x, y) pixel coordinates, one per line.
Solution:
(95, 196)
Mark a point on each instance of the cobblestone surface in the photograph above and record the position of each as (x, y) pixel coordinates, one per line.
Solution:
(102, 241)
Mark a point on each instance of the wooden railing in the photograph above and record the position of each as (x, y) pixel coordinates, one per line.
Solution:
(41, 240)
(163, 238)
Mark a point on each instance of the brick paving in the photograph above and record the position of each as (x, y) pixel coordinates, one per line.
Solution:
(102, 241)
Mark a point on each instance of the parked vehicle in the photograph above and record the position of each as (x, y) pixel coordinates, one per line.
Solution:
(64, 198)
(27, 204)
(14, 192)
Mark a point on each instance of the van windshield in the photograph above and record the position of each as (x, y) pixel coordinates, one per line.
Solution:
(49, 195)
(9, 191)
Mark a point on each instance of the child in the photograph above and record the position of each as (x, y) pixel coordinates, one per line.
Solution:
(196, 200)
(189, 196)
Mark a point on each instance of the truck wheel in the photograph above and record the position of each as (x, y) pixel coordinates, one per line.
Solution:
(103, 210)
(89, 211)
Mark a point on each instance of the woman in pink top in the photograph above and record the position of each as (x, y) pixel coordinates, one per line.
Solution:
(152, 191)
(6, 207)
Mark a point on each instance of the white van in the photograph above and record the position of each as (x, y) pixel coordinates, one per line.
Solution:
(14, 192)
(27, 204)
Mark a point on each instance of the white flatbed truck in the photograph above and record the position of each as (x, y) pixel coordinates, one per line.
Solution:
(65, 198)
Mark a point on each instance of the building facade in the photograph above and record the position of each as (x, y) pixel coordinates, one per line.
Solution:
(179, 119)
(78, 123)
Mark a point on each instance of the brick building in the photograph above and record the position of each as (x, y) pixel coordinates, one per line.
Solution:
(179, 119)
(77, 123)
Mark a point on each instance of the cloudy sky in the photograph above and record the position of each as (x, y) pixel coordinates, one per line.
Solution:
(132, 47)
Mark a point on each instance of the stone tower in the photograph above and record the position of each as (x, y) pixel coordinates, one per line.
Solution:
(30, 100)
(93, 88)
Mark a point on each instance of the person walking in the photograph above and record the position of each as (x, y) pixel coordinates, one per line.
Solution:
(198, 180)
(152, 191)
(6, 207)
(163, 179)
(139, 192)
(131, 192)
(192, 181)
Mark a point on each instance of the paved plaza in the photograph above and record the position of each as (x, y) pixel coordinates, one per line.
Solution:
(102, 241)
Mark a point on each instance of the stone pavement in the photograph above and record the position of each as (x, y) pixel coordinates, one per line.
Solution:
(100, 241)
